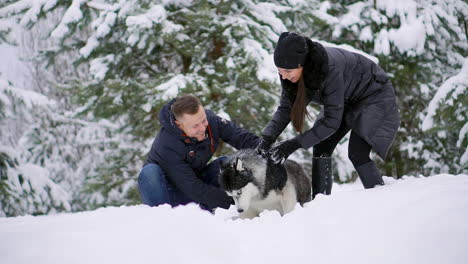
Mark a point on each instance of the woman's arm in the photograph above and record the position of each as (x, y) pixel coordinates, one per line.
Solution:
(280, 120)
(333, 102)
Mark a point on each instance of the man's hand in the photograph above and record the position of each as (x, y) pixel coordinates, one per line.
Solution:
(280, 152)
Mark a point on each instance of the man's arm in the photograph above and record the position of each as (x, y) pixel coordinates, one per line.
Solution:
(184, 178)
(235, 136)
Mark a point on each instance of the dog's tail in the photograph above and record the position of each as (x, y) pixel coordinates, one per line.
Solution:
(300, 180)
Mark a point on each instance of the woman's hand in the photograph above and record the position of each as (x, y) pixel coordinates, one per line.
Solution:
(264, 145)
(280, 152)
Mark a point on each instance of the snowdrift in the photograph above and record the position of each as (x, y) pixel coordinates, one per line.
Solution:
(412, 220)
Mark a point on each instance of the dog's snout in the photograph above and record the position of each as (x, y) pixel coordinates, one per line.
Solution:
(240, 210)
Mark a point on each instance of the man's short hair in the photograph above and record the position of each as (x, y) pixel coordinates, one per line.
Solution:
(185, 104)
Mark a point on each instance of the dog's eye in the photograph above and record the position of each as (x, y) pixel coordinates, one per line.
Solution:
(239, 192)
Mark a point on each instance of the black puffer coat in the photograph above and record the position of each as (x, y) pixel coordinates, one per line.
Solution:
(182, 158)
(352, 89)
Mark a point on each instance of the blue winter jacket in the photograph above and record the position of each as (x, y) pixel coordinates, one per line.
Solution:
(182, 158)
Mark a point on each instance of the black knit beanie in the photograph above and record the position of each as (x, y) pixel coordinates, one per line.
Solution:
(291, 50)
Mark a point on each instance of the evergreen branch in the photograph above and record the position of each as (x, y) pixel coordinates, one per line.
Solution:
(147, 66)
(100, 6)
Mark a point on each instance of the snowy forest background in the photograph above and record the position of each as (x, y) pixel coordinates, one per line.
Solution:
(77, 120)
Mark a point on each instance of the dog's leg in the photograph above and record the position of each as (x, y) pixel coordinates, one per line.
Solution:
(248, 214)
(289, 198)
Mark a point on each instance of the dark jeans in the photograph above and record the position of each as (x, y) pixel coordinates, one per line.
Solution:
(358, 148)
(155, 189)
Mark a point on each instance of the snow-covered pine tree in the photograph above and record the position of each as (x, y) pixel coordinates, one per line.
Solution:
(149, 53)
(66, 149)
(142, 53)
(25, 187)
(47, 155)
(421, 44)
(445, 122)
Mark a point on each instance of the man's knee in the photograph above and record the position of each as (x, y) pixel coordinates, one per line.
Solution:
(149, 174)
(152, 186)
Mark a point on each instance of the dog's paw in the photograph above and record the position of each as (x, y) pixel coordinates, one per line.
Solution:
(249, 214)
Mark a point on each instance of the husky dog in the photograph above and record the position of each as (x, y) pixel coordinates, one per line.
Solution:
(254, 184)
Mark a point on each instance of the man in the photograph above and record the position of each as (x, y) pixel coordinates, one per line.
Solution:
(176, 170)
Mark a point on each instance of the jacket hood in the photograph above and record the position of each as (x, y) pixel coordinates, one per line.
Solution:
(315, 70)
(167, 120)
(316, 65)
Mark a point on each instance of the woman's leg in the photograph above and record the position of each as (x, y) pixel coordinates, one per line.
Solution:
(152, 185)
(358, 150)
(358, 153)
(322, 174)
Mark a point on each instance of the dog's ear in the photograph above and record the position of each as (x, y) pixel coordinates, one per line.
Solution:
(239, 166)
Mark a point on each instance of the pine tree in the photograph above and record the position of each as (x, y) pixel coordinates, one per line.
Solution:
(446, 127)
(25, 188)
(419, 45)
(130, 57)
(142, 53)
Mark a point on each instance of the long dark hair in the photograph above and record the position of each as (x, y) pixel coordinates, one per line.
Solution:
(314, 73)
(299, 109)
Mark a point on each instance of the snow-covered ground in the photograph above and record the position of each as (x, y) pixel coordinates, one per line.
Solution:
(412, 220)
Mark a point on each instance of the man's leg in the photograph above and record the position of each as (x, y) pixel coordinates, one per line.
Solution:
(152, 186)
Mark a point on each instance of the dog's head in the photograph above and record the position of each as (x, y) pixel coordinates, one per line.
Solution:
(238, 182)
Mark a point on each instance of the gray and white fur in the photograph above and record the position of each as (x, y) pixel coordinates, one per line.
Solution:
(255, 187)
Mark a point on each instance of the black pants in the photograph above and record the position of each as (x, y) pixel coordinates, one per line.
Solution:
(358, 149)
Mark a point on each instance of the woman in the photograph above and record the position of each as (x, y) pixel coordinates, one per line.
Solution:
(356, 95)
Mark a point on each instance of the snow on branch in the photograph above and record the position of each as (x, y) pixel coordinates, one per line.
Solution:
(30, 8)
(72, 15)
(101, 6)
(458, 84)
(157, 14)
(30, 98)
(102, 27)
(16, 8)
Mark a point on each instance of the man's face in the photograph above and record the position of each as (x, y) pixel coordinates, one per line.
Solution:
(194, 125)
(292, 75)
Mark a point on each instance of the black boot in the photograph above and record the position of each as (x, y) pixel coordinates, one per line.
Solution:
(322, 178)
(369, 175)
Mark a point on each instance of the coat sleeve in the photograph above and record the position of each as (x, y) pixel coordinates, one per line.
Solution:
(184, 178)
(333, 107)
(235, 136)
(281, 118)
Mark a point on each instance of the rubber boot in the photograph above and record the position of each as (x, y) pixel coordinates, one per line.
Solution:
(369, 175)
(322, 178)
